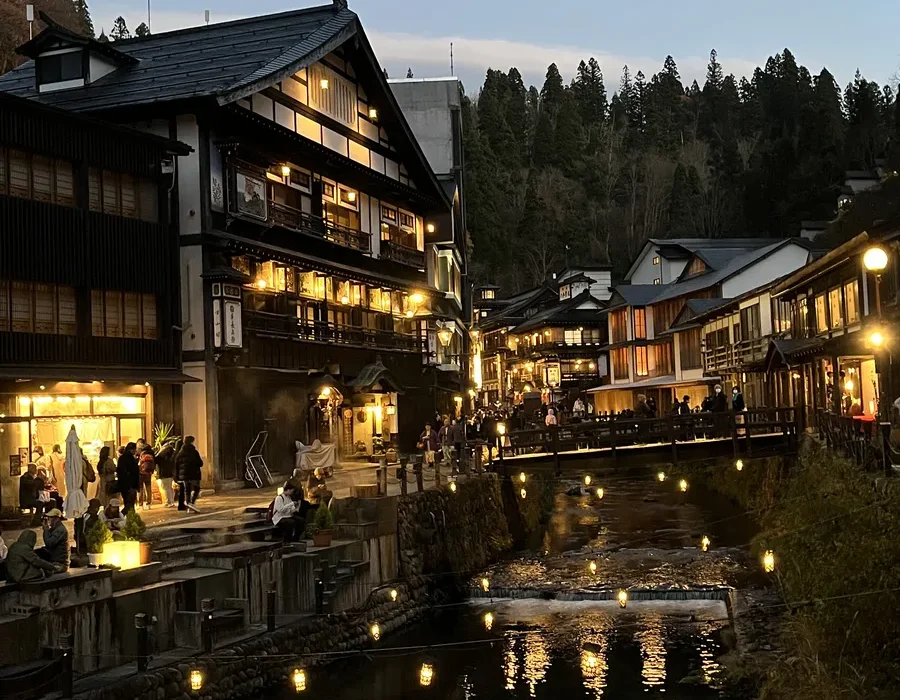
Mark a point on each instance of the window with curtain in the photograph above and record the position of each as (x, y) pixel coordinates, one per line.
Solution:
(835, 308)
(27, 307)
(640, 323)
(821, 314)
(851, 299)
(121, 194)
(664, 364)
(641, 366)
(619, 363)
(618, 326)
(123, 315)
(33, 176)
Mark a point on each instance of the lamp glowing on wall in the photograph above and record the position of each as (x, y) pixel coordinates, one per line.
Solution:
(196, 679)
(299, 678)
(876, 338)
(623, 598)
(739, 465)
(661, 476)
(445, 335)
(261, 283)
(485, 585)
(375, 631)
(285, 171)
(587, 479)
(600, 493)
(409, 314)
(351, 196)
(769, 561)
(416, 298)
(326, 391)
(429, 228)
(591, 365)
(323, 83)
(394, 594)
(373, 113)
(501, 428)
(683, 485)
(522, 477)
(453, 487)
(593, 567)
(488, 620)
(426, 675)
(704, 543)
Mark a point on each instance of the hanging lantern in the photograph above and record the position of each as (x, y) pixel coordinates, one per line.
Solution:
(196, 679)
(445, 335)
(426, 675)
(593, 567)
(704, 543)
(623, 598)
(683, 485)
(485, 585)
(587, 479)
(488, 621)
(739, 465)
(299, 678)
(661, 476)
(394, 594)
(769, 561)
(452, 487)
(375, 630)
(600, 493)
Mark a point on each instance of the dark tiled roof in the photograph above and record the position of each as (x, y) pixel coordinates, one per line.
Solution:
(565, 311)
(640, 294)
(701, 306)
(207, 61)
(372, 374)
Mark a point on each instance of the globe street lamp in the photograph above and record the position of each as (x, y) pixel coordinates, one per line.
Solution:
(875, 260)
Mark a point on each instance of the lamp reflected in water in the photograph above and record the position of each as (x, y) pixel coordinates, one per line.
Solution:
(623, 598)
(488, 620)
(426, 675)
(299, 678)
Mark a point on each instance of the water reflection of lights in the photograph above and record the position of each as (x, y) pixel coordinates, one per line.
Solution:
(526, 658)
(706, 645)
(653, 650)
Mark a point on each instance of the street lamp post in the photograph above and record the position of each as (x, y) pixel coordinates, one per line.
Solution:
(875, 260)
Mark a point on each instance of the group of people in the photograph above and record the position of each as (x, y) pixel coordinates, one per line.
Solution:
(290, 510)
(128, 479)
(22, 561)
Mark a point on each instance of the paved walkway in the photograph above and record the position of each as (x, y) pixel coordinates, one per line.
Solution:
(233, 503)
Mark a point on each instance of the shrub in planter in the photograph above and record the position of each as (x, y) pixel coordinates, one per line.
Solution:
(97, 535)
(134, 530)
(320, 527)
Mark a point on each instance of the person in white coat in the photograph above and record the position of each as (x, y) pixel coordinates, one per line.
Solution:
(286, 512)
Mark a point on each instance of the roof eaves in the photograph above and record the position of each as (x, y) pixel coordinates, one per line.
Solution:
(315, 46)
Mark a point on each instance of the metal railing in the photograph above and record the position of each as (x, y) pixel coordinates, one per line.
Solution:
(289, 217)
(391, 250)
(278, 325)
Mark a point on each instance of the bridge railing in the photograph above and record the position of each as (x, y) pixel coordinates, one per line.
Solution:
(622, 432)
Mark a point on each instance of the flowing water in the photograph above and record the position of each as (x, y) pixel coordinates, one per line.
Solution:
(643, 533)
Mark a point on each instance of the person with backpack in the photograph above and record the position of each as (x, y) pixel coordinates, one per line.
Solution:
(285, 512)
(188, 465)
(147, 465)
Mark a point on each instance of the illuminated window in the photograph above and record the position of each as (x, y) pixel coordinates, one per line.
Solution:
(573, 336)
(487, 294)
(641, 368)
(120, 194)
(27, 175)
(656, 281)
(835, 310)
(640, 323)
(851, 298)
(37, 308)
(123, 315)
(656, 260)
(821, 315)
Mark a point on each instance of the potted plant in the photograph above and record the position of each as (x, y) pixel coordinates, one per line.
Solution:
(320, 527)
(96, 537)
(134, 530)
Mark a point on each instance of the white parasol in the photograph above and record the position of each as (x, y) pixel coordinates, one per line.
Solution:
(76, 502)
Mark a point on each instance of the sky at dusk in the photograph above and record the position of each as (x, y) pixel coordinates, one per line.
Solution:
(530, 34)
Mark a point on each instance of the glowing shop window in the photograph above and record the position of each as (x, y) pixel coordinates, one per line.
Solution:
(105, 405)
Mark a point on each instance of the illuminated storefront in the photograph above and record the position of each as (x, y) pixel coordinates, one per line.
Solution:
(103, 414)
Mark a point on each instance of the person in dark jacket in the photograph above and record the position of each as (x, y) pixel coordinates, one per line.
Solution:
(23, 563)
(28, 491)
(719, 402)
(128, 476)
(188, 465)
(56, 540)
(737, 400)
(165, 473)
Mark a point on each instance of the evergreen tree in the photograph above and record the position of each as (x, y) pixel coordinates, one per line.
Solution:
(119, 30)
(84, 15)
(590, 93)
(142, 30)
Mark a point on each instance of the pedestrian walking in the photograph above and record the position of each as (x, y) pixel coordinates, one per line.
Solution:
(128, 476)
(165, 474)
(146, 465)
(188, 465)
(428, 443)
(106, 471)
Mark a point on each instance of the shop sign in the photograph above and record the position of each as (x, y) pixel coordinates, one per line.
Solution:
(552, 375)
(233, 331)
(15, 465)
(217, 323)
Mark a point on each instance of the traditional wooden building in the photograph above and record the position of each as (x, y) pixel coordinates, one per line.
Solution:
(89, 308)
(303, 214)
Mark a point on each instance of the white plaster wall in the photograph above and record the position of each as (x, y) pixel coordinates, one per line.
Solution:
(787, 259)
(427, 106)
(192, 322)
(646, 271)
(189, 176)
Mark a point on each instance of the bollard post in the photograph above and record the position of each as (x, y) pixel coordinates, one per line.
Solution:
(401, 475)
(207, 605)
(270, 607)
(417, 468)
(67, 677)
(554, 432)
(320, 597)
(143, 642)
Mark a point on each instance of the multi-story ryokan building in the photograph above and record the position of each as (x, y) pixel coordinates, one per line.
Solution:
(306, 215)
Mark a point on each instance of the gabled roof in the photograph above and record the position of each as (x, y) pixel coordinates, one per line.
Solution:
(636, 294)
(515, 312)
(222, 63)
(566, 312)
(691, 313)
(684, 248)
(734, 266)
(55, 36)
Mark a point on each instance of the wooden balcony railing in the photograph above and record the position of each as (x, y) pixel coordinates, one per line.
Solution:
(391, 250)
(753, 350)
(280, 326)
(718, 358)
(297, 220)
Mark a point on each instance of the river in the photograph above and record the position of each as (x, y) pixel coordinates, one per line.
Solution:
(643, 532)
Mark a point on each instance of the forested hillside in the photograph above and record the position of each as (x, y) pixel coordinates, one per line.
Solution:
(567, 173)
